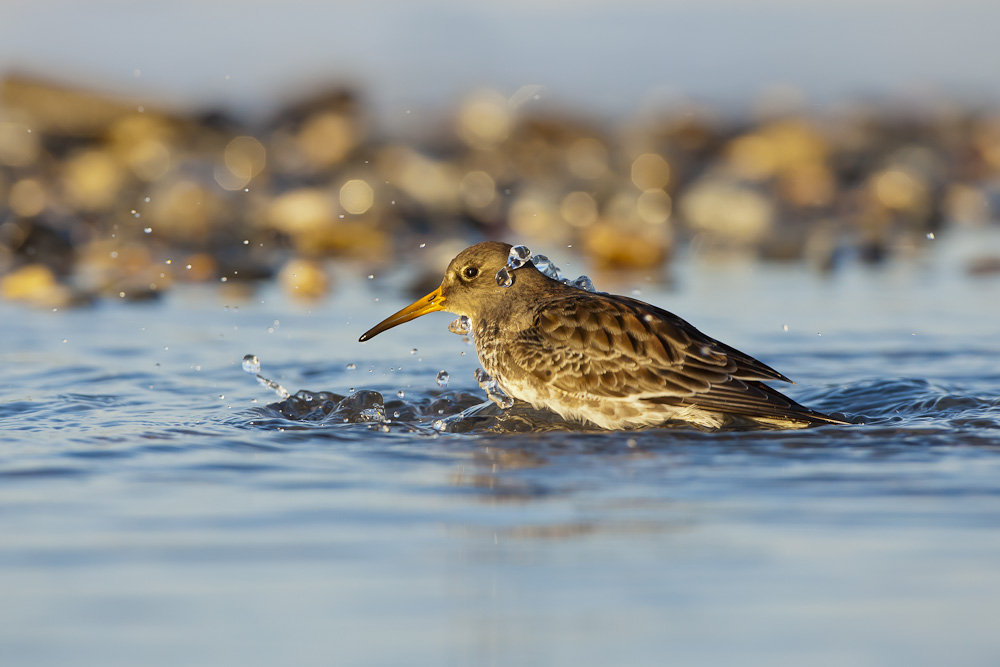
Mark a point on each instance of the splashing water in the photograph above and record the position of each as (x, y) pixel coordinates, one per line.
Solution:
(443, 378)
(362, 406)
(462, 326)
(504, 277)
(493, 390)
(521, 255)
(545, 265)
(251, 364)
(518, 257)
(547, 268)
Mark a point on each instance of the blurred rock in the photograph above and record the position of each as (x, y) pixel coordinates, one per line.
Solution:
(119, 199)
(35, 284)
(304, 279)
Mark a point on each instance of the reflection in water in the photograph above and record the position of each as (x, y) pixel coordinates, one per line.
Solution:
(498, 446)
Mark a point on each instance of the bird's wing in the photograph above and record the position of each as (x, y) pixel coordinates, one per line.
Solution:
(616, 347)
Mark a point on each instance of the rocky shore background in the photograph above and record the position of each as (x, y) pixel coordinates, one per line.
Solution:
(105, 198)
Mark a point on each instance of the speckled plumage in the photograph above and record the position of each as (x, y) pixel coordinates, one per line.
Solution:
(609, 360)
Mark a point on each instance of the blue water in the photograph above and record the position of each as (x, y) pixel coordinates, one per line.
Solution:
(157, 507)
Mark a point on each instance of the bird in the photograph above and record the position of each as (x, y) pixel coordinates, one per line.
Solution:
(610, 361)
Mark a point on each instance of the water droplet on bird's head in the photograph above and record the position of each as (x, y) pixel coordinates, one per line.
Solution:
(546, 267)
(504, 277)
(518, 257)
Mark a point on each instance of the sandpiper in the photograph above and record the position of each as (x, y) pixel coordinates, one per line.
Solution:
(613, 361)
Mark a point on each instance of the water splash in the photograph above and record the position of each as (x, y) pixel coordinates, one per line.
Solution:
(373, 414)
(493, 390)
(468, 420)
(504, 277)
(443, 377)
(547, 268)
(518, 257)
(461, 326)
(251, 364)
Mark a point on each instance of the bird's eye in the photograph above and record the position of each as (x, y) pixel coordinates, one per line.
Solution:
(470, 272)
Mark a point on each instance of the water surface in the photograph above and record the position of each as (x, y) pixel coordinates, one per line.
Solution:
(158, 508)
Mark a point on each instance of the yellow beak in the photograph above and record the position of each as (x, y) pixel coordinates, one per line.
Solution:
(430, 303)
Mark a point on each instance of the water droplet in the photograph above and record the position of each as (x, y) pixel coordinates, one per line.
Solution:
(423, 245)
(493, 390)
(251, 364)
(148, 230)
(376, 414)
(503, 277)
(584, 283)
(146, 200)
(351, 367)
(462, 326)
(546, 267)
(399, 393)
(442, 379)
(413, 351)
(518, 257)
(930, 236)
(371, 276)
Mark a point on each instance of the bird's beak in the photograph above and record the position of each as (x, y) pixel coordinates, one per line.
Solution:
(430, 303)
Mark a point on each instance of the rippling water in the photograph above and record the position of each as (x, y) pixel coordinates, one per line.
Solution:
(159, 507)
